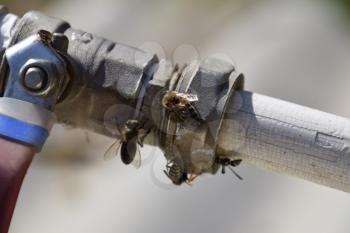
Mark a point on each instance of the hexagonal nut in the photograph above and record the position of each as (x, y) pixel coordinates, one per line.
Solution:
(210, 82)
(126, 68)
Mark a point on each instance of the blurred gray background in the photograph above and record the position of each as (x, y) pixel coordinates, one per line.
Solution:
(296, 50)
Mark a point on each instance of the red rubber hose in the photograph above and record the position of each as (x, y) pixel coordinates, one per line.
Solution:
(14, 162)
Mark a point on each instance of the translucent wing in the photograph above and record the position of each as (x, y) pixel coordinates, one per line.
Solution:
(189, 97)
(137, 160)
(113, 151)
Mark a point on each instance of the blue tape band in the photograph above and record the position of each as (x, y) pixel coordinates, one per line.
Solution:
(23, 131)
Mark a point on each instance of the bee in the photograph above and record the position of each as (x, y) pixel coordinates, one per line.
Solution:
(225, 162)
(129, 145)
(181, 105)
(177, 174)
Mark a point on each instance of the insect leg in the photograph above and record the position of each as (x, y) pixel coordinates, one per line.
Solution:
(167, 174)
(236, 174)
(223, 171)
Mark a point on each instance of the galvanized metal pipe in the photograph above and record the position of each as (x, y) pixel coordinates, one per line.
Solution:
(266, 132)
(280, 136)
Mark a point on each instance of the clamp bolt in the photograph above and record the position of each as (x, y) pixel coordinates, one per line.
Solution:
(35, 79)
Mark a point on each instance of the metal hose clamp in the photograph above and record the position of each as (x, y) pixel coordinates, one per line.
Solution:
(214, 82)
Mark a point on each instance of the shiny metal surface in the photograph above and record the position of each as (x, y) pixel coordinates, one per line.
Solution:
(34, 79)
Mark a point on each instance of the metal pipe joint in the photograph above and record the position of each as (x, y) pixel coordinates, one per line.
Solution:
(200, 115)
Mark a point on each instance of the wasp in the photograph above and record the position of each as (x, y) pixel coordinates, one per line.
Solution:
(177, 174)
(128, 147)
(225, 162)
(181, 105)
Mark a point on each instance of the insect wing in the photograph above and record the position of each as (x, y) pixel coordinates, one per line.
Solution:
(113, 151)
(189, 97)
(137, 159)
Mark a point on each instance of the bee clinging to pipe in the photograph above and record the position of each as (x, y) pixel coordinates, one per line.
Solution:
(128, 146)
(225, 162)
(181, 105)
(177, 174)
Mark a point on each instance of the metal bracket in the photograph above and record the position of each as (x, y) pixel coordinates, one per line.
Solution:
(36, 77)
(36, 71)
(213, 81)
